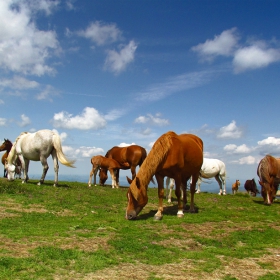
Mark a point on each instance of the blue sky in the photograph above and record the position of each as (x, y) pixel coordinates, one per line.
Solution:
(108, 73)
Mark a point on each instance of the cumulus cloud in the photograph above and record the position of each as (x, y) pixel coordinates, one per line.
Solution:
(101, 33)
(242, 149)
(254, 57)
(223, 44)
(247, 160)
(88, 152)
(152, 120)
(230, 131)
(270, 145)
(25, 121)
(117, 61)
(24, 48)
(88, 119)
(18, 82)
(125, 144)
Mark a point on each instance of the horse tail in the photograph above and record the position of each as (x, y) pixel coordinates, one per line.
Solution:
(61, 157)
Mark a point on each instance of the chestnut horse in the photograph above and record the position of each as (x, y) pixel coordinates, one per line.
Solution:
(235, 187)
(176, 156)
(269, 174)
(107, 163)
(129, 157)
(7, 146)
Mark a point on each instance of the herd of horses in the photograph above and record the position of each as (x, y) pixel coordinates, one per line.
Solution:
(177, 157)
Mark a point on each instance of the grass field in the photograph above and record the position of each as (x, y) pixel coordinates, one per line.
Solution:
(76, 232)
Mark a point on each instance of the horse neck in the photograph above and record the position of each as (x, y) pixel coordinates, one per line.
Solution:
(154, 159)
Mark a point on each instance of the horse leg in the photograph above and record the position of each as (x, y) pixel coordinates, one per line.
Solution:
(45, 170)
(198, 185)
(223, 178)
(117, 173)
(171, 186)
(159, 214)
(178, 192)
(92, 172)
(133, 171)
(24, 168)
(56, 167)
(217, 177)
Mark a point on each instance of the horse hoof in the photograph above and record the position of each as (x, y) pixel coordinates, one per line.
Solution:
(157, 218)
(180, 215)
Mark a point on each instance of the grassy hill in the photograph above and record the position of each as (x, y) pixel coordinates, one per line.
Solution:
(76, 232)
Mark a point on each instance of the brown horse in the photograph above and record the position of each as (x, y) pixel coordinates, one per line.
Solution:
(107, 163)
(7, 146)
(269, 174)
(129, 157)
(235, 186)
(175, 156)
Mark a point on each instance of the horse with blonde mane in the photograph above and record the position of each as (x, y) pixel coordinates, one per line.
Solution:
(37, 146)
(269, 173)
(176, 156)
(107, 163)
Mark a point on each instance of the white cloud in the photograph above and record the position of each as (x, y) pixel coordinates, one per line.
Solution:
(114, 114)
(254, 57)
(125, 144)
(230, 131)
(270, 145)
(88, 119)
(88, 151)
(223, 44)
(18, 82)
(25, 121)
(3, 121)
(101, 33)
(46, 93)
(153, 120)
(242, 149)
(247, 160)
(118, 61)
(24, 48)
(270, 141)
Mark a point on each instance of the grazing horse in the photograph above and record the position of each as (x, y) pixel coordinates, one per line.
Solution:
(269, 173)
(37, 146)
(172, 155)
(7, 146)
(235, 186)
(128, 157)
(107, 163)
(251, 187)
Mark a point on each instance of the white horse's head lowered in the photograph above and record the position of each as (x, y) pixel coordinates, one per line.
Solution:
(11, 169)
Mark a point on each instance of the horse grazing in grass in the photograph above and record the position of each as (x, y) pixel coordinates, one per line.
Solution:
(107, 163)
(7, 146)
(37, 146)
(235, 187)
(269, 173)
(128, 157)
(251, 187)
(174, 156)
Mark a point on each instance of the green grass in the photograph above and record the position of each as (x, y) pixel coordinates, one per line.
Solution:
(76, 232)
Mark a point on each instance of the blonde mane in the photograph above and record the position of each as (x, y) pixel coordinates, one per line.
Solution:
(12, 154)
(155, 157)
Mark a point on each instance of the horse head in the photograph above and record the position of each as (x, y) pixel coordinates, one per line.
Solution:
(103, 176)
(10, 168)
(136, 199)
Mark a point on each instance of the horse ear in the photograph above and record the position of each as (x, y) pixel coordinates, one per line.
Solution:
(128, 180)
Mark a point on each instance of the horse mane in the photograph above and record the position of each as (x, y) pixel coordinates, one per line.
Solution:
(155, 157)
(263, 169)
(12, 154)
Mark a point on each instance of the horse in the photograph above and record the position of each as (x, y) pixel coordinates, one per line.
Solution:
(235, 186)
(269, 173)
(209, 169)
(251, 187)
(107, 163)
(172, 155)
(7, 146)
(37, 146)
(128, 157)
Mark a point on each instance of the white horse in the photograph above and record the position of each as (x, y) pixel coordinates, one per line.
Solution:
(211, 168)
(36, 146)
